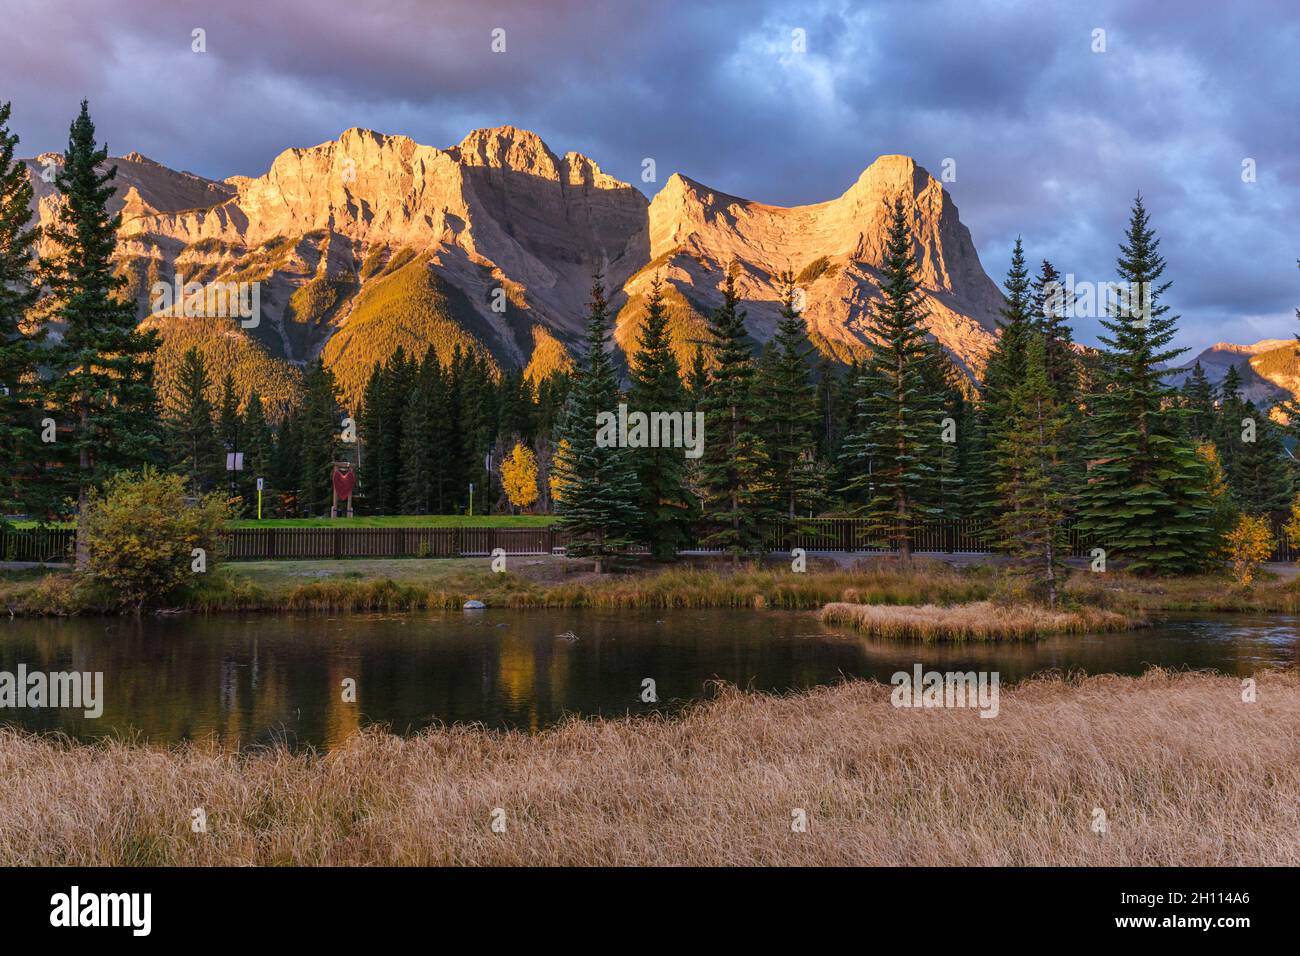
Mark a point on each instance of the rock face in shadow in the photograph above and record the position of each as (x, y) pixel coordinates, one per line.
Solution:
(491, 244)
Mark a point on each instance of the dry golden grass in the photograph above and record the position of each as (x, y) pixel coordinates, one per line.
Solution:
(978, 621)
(1186, 773)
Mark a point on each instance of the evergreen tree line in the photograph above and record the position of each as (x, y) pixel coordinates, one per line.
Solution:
(1053, 434)
(77, 401)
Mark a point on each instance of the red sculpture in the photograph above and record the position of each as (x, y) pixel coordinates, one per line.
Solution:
(344, 480)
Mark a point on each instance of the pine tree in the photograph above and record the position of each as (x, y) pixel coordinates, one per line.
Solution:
(319, 437)
(788, 416)
(399, 382)
(1258, 474)
(455, 468)
(228, 421)
(898, 417)
(1199, 399)
(24, 488)
(259, 450)
(1061, 361)
(443, 442)
(1002, 375)
(479, 405)
(1226, 428)
(656, 386)
(102, 383)
(286, 467)
(731, 468)
(1031, 524)
(1289, 411)
(951, 495)
(194, 448)
(371, 427)
(230, 436)
(1146, 498)
(417, 451)
(697, 377)
(697, 387)
(600, 497)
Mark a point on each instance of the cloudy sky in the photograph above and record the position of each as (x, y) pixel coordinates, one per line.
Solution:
(1051, 140)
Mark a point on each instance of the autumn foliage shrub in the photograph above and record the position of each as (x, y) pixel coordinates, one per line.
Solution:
(1249, 544)
(143, 533)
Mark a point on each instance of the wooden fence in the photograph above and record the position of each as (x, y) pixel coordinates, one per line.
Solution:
(965, 536)
(36, 544)
(258, 544)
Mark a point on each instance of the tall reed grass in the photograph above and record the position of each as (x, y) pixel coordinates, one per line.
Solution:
(977, 621)
(1184, 771)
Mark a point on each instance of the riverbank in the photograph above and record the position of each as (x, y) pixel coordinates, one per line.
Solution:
(1182, 771)
(547, 581)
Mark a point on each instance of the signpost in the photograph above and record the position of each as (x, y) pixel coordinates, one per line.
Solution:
(234, 463)
(471, 499)
(259, 499)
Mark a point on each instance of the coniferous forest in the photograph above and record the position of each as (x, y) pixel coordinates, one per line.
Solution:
(1051, 433)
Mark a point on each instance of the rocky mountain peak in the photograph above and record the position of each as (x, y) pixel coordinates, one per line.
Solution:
(372, 240)
(508, 147)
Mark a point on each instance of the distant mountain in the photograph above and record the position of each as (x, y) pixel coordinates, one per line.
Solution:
(834, 249)
(1270, 368)
(372, 241)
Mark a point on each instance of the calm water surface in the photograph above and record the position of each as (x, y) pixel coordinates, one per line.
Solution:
(256, 679)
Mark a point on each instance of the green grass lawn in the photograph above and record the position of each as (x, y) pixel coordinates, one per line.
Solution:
(382, 521)
(404, 521)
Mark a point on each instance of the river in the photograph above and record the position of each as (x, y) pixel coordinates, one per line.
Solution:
(255, 679)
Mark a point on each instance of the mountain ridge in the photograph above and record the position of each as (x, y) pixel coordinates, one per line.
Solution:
(491, 244)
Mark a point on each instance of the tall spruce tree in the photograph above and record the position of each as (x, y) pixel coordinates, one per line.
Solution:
(788, 416)
(598, 506)
(1051, 320)
(228, 419)
(417, 440)
(399, 382)
(1035, 474)
(730, 472)
(1253, 454)
(371, 427)
(259, 449)
(1146, 500)
(319, 438)
(1199, 399)
(286, 468)
(1227, 428)
(656, 386)
(102, 383)
(194, 447)
(1289, 412)
(230, 425)
(898, 417)
(23, 488)
(949, 494)
(1002, 374)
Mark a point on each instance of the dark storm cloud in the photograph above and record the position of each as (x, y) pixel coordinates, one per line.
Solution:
(1051, 140)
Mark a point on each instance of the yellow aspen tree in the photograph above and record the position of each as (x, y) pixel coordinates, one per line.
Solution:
(519, 476)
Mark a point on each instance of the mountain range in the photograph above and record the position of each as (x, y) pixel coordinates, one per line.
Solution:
(374, 241)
